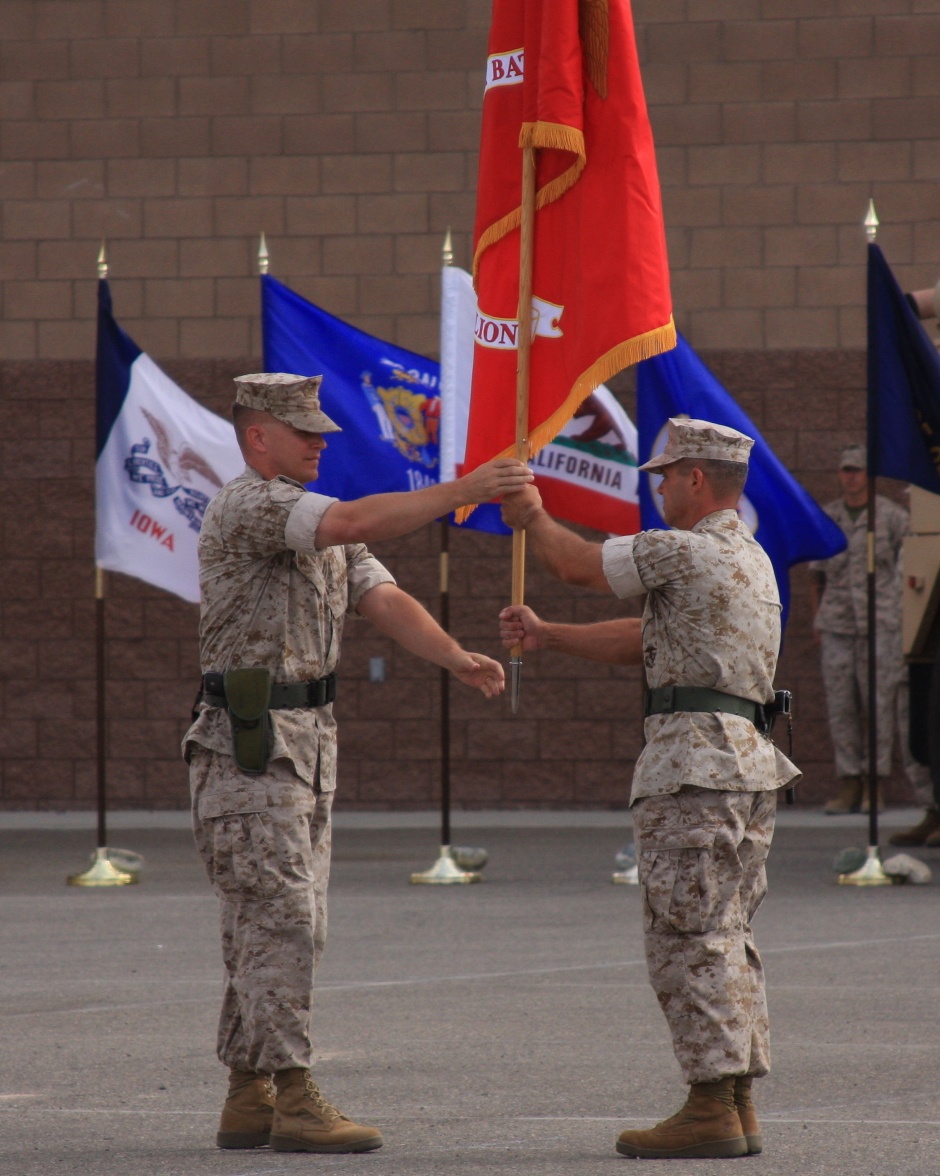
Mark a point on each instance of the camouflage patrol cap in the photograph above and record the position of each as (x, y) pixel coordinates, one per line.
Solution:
(853, 458)
(295, 400)
(701, 439)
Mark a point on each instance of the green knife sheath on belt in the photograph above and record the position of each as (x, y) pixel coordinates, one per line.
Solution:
(248, 698)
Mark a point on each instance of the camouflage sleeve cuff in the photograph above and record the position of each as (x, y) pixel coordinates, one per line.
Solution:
(300, 532)
(363, 572)
(620, 568)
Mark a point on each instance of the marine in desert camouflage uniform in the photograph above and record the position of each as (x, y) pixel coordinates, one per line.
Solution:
(705, 786)
(840, 597)
(280, 569)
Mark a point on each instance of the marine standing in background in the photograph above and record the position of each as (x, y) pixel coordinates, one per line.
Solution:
(280, 569)
(840, 604)
(705, 786)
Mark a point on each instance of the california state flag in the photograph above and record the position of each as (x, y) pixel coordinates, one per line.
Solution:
(562, 76)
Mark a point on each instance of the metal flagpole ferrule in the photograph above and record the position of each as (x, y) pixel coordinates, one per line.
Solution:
(445, 872)
(515, 681)
(871, 873)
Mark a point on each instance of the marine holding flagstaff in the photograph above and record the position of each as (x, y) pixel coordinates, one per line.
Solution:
(280, 569)
(705, 786)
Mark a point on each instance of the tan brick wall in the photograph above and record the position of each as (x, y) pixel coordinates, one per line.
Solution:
(347, 131)
(179, 129)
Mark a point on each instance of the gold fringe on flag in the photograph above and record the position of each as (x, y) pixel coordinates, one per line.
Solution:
(622, 356)
(556, 137)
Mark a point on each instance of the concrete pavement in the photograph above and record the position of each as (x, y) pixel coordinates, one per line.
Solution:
(504, 1027)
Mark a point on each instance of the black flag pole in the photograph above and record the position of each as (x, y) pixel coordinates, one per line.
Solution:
(445, 870)
(101, 872)
(871, 873)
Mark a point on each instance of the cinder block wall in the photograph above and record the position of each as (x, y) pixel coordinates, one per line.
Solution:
(180, 129)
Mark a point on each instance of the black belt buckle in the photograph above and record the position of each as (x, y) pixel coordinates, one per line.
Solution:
(214, 683)
(322, 691)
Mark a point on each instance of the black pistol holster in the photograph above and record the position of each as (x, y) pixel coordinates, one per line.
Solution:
(248, 701)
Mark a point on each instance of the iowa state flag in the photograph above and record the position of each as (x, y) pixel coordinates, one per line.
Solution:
(562, 76)
(903, 385)
(160, 458)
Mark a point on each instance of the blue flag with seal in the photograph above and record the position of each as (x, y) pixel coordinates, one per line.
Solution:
(903, 385)
(385, 399)
(159, 459)
(783, 517)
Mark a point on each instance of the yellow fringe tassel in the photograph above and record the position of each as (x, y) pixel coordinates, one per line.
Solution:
(558, 137)
(624, 355)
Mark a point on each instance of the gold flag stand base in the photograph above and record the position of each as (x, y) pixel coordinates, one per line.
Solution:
(870, 874)
(446, 872)
(102, 873)
(629, 877)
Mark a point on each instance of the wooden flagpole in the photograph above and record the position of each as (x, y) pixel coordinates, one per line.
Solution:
(523, 354)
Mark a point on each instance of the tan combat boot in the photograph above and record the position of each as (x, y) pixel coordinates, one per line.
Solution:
(847, 800)
(747, 1115)
(248, 1110)
(305, 1122)
(920, 834)
(707, 1127)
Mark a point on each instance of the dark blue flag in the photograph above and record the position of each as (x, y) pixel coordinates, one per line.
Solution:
(783, 517)
(903, 385)
(385, 399)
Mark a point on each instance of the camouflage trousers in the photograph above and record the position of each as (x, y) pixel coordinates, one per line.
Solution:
(265, 843)
(701, 856)
(845, 678)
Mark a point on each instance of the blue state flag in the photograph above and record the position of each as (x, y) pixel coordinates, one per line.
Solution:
(386, 399)
(903, 385)
(782, 516)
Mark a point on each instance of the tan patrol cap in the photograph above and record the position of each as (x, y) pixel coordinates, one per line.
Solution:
(853, 458)
(292, 399)
(703, 439)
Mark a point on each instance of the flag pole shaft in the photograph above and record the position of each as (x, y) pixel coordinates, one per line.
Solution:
(872, 672)
(445, 686)
(101, 716)
(523, 354)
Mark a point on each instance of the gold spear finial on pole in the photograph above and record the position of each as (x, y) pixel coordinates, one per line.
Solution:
(263, 256)
(447, 253)
(102, 261)
(871, 221)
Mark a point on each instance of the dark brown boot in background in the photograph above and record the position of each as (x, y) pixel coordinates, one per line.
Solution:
(921, 833)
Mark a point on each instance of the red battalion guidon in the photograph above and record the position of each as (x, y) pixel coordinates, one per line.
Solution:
(563, 76)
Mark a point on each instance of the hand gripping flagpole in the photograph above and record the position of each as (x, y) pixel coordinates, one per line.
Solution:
(871, 872)
(523, 354)
(445, 870)
(101, 872)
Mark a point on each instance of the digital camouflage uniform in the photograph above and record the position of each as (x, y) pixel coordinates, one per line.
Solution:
(704, 787)
(270, 599)
(842, 621)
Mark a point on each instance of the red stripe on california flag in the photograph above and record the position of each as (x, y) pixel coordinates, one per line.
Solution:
(577, 505)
